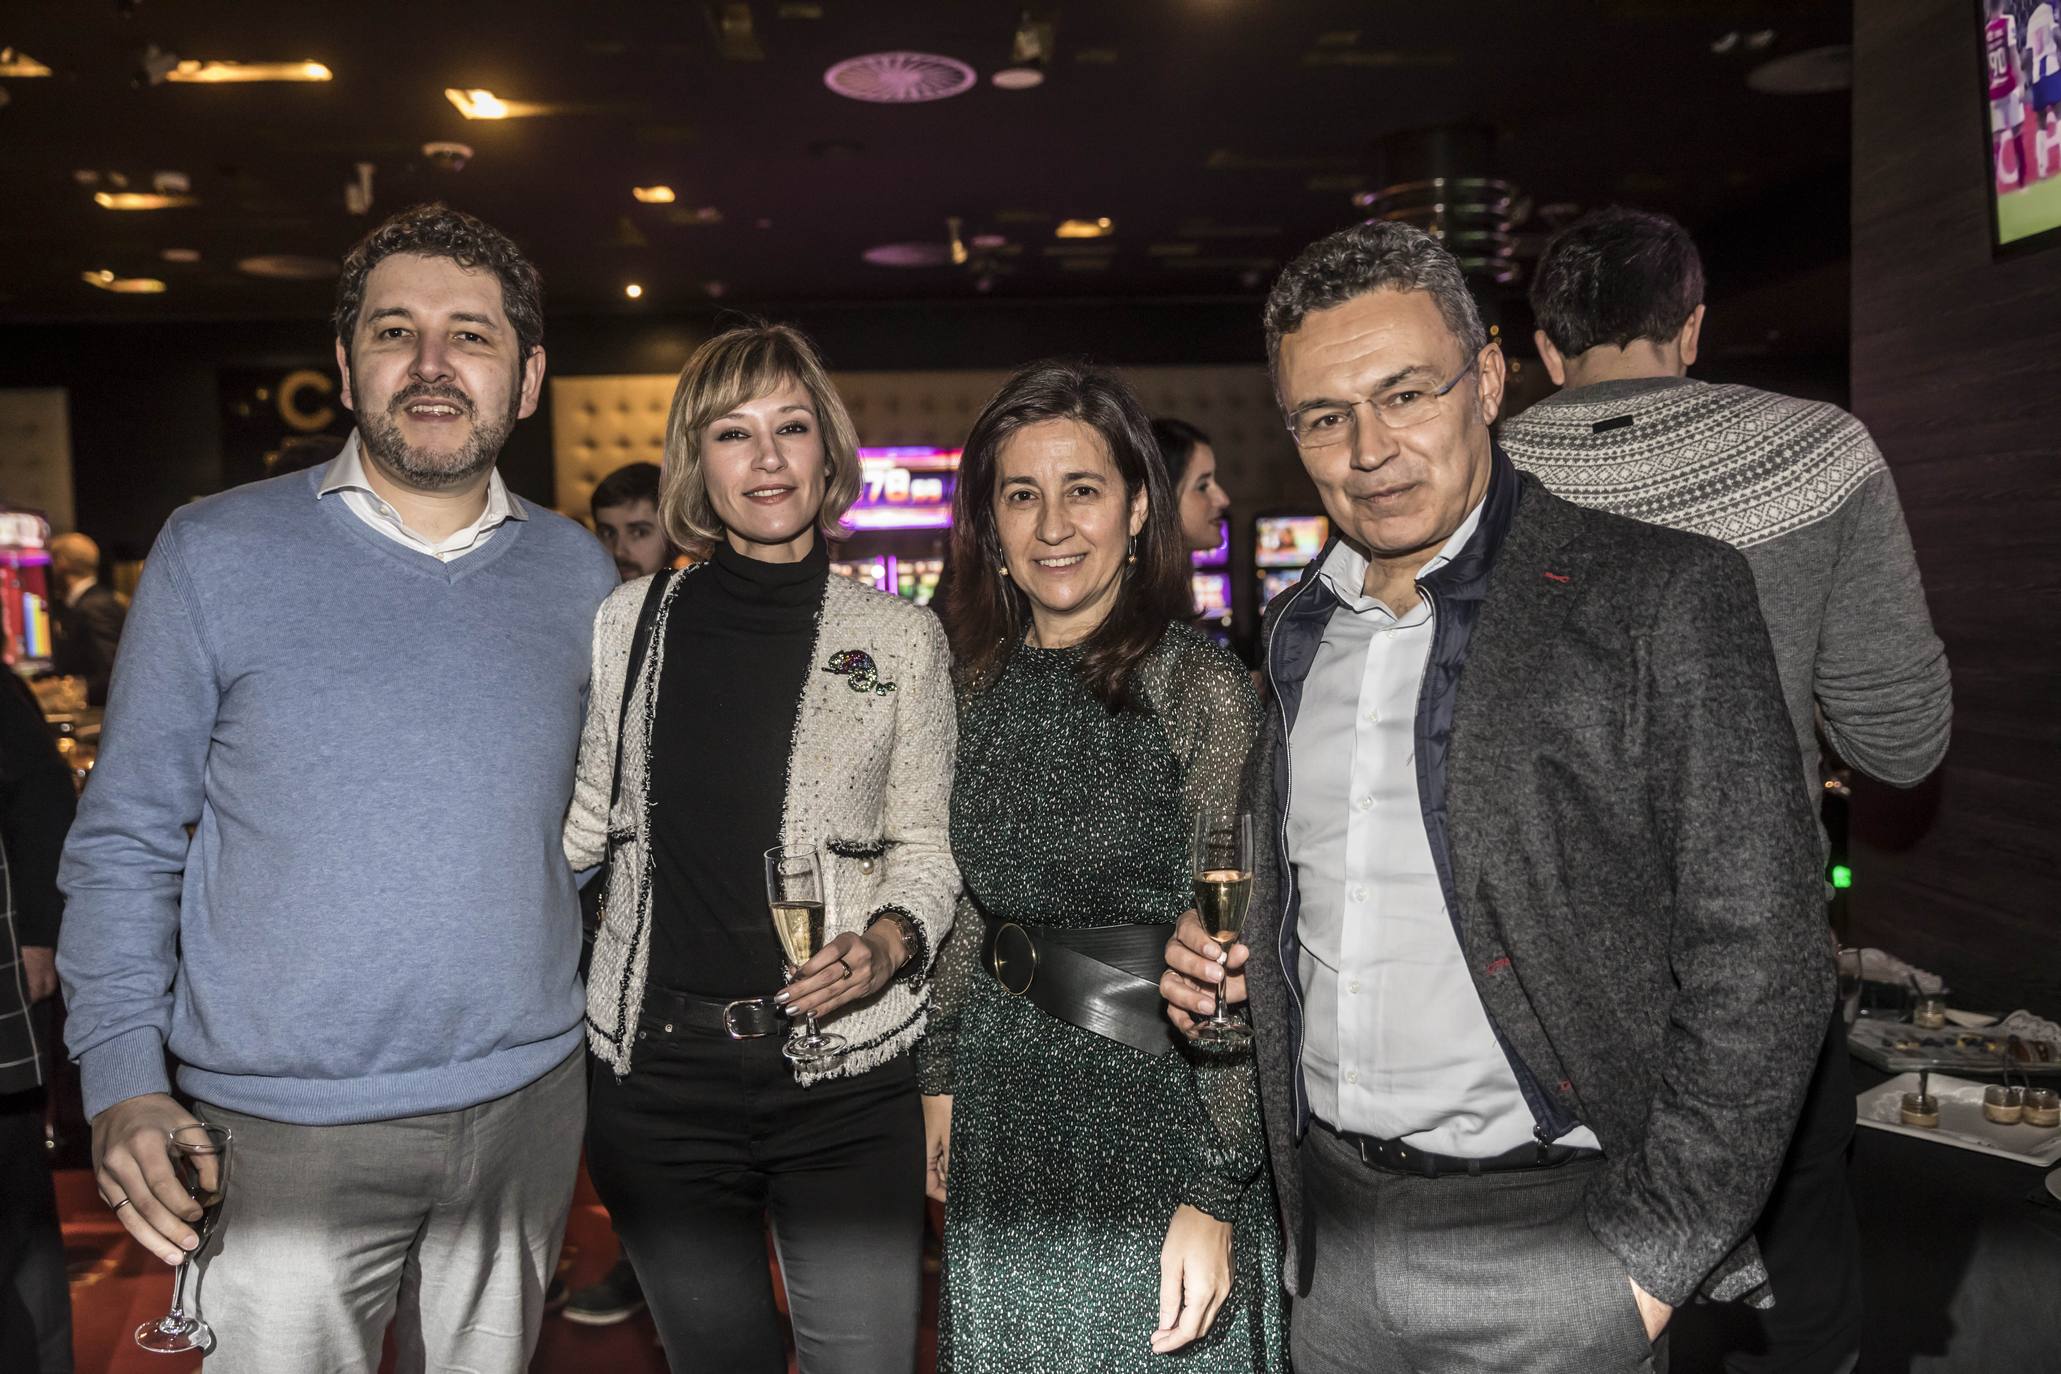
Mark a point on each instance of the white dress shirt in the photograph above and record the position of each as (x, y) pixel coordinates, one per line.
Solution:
(345, 477)
(1396, 1044)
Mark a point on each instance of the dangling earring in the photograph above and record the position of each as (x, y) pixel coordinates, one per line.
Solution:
(1131, 554)
(1002, 568)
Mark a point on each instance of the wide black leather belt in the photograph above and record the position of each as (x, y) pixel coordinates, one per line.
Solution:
(1392, 1156)
(1104, 979)
(667, 1012)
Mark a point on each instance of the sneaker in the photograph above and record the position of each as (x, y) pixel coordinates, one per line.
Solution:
(618, 1297)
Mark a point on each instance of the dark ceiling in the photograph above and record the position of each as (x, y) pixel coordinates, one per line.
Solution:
(1217, 135)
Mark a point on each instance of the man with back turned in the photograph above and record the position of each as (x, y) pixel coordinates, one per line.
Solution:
(361, 688)
(1533, 1004)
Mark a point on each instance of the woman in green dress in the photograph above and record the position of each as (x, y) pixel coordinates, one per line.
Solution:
(1106, 1200)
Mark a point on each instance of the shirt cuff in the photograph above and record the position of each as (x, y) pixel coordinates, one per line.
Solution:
(130, 1065)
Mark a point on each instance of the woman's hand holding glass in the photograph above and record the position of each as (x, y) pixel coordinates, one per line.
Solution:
(847, 969)
(1194, 1277)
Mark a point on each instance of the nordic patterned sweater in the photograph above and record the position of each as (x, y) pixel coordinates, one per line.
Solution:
(1801, 490)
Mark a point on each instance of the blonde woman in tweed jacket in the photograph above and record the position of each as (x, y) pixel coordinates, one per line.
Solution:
(772, 704)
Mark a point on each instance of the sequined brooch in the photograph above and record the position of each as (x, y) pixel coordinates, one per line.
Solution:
(858, 665)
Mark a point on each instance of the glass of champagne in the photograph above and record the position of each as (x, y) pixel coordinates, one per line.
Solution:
(200, 1161)
(794, 887)
(1222, 867)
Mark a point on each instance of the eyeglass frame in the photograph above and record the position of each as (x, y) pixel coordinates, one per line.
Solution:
(1352, 408)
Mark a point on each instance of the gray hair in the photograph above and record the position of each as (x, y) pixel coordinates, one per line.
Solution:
(1370, 257)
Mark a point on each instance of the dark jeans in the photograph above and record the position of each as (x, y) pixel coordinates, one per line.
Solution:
(1460, 1275)
(35, 1303)
(706, 1141)
(1809, 1237)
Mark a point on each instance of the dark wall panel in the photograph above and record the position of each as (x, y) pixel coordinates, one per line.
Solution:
(1955, 357)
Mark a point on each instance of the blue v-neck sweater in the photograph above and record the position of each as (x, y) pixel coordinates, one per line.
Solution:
(372, 917)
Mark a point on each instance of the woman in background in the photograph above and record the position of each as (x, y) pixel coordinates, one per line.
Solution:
(1191, 469)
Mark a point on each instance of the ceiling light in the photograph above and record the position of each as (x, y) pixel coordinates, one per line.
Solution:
(1018, 78)
(140, 200)
(477, 104)
(122, 286)
(900, 78)
(15, 62)
(1085, 228)
(653, 195)
(287, 267)
(633, 291)
(217, 73)
(180, 255)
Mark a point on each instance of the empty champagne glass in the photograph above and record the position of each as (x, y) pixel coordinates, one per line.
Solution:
(200, 1161)
(794, 888)
(1222, 854)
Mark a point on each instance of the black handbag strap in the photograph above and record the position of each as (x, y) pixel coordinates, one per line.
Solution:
(640, 643)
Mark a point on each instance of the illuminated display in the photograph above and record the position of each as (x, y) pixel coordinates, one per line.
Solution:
(1288, 541)
(1218, 557)
(904, 489)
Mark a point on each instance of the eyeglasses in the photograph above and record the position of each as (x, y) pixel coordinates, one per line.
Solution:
(1325, 425)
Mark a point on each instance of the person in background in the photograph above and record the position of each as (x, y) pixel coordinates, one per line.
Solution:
(1801, 490)
(319, 860)
(626, 519)
(1105, 1195)
(1536, 956)
(36, 802)
(774, 704)
(85, 617)
(1191, 467)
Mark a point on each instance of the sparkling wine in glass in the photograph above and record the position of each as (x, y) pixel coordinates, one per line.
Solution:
(794, 888)
(1222, 868)
(200, 1161)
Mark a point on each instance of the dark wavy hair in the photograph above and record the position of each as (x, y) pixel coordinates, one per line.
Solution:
(435, 230)
(1616, 276)
(985, 613)
(1177, 440)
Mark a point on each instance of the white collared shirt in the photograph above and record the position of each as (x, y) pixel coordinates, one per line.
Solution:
(1396, 1044)
(345, 476)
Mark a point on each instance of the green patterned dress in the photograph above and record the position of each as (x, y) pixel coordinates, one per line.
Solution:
(1070, 1151)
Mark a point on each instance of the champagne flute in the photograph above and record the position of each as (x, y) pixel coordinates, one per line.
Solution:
(1222, 868)
(200, 1161)
(794, 888)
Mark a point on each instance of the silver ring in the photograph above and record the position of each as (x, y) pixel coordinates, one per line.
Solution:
(119, 1205)
(846, 967)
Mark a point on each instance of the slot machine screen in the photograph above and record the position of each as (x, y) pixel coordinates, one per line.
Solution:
(1218, 557)
(1212, 595)
(1288, 541)
(1274, 581)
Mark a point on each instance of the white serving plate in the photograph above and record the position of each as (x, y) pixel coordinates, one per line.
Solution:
(1961, 1122)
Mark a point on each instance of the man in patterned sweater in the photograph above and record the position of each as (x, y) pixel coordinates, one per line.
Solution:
(1801, 490)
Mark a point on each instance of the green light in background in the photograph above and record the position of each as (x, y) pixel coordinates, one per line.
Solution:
(1842, 876)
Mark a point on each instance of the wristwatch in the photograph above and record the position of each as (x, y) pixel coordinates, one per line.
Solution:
(913, 943)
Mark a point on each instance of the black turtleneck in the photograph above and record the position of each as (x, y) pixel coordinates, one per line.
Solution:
(737, 648)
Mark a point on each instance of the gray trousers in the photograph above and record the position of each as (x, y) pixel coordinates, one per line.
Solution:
(446, 1226)
(1439, 1276)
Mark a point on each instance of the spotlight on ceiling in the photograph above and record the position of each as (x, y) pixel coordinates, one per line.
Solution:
(288, 267)
(477, 104)
(140, 200)
(220, 73)
(900, 78)
(633, 291)
(105, 280)
(1085, 228)
(653, 195)
(180, 255)
(446, 156)
(15, 62)
(1030, 53)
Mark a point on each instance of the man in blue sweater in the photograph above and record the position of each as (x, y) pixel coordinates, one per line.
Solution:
(319, 861)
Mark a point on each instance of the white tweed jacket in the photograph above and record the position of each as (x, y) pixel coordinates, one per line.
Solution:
(869, 781)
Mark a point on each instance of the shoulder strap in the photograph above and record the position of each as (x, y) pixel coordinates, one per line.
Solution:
(640, 642)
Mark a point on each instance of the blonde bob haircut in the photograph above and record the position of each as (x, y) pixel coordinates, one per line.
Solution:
(734, 368)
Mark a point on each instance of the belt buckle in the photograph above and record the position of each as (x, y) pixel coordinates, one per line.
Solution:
(730, 1018)
(1019, 960)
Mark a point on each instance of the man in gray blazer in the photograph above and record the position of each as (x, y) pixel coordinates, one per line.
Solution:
(1539, 964)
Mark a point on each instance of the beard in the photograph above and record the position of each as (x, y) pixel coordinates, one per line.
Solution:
(431, 469)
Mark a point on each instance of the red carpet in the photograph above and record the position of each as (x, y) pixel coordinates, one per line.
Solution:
(116, 1286)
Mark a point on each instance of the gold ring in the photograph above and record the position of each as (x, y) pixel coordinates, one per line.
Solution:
(846, 967)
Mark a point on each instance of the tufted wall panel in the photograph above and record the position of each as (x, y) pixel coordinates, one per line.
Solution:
(600, 423)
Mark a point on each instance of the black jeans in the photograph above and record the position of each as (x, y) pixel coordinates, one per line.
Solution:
(35, 1301)
(1809, 1236)
(707, 1141)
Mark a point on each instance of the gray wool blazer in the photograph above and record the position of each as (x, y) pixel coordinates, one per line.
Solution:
(1637, 872)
